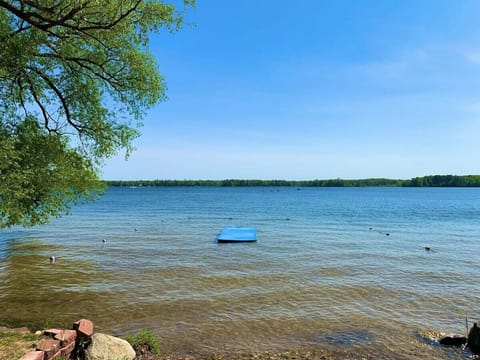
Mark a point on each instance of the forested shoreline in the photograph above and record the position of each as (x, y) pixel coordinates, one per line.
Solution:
(423, 181)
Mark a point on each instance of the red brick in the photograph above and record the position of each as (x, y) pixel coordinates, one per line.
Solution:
(50, 347)
(67, 350)
(52, 332)
(55, 356)
(33, 355)
(66, 337)
(84, 328)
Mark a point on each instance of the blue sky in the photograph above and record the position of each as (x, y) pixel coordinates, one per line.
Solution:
(314, 89)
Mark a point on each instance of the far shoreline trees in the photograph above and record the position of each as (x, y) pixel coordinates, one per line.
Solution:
(424, 181)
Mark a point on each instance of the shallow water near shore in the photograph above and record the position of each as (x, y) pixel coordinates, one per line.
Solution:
(333, 268)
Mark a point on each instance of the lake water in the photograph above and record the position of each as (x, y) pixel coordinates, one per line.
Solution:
(333, 267)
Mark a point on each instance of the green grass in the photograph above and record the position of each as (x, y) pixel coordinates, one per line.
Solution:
(14, 345)
(7, 338)
(144, 341)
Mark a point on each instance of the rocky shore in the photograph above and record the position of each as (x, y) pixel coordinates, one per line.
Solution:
(17, 343)
(81, 342)
(20, 343)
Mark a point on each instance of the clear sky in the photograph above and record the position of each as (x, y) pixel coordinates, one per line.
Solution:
(314, 89)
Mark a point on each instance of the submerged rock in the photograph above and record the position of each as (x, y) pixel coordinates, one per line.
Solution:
(453, 340)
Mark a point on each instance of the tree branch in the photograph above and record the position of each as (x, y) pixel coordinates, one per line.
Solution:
(45, 23)
(59, 95)
(22, 101)
(46, 116)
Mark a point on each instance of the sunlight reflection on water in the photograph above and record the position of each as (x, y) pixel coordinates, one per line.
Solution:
(318, 276)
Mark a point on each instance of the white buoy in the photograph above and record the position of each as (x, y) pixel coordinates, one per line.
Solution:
(52, 259)
(104, 241)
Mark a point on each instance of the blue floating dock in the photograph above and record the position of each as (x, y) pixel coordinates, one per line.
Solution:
(234, 235)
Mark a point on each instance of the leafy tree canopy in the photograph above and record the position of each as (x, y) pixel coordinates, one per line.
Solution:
(76, 78)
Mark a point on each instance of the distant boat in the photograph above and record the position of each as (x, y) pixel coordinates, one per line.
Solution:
(235, 235)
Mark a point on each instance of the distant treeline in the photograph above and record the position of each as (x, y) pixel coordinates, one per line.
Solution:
(424, 181)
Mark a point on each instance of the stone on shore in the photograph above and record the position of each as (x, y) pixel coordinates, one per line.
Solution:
(50, 347)
(66, 337)
(52, 332)
(473, 341)
(84, 328)
(106, 347)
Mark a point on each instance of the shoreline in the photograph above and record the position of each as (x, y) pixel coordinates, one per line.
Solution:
(26, 339)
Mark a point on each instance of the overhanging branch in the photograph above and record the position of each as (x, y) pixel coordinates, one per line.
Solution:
(40, 21)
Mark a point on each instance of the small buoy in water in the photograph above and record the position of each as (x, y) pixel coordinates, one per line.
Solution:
(104, 241)
(52, 259)
(427, 248)
(388, 234)
(135, 229)
(370, 228)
